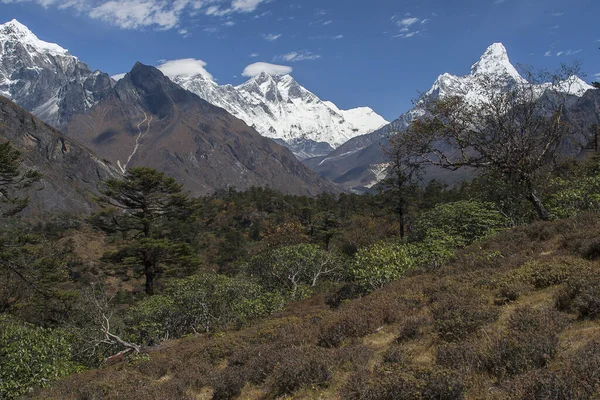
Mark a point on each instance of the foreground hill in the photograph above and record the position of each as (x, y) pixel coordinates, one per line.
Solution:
(72, 174)
(512, 317)
(147, 120)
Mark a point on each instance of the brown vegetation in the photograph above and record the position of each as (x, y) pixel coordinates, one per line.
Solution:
(434, 335)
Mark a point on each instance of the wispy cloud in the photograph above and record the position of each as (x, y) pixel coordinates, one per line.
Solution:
(410, 26)
(254, 55)
(597, 75)
(561, 53)
(271, 69)
(557, 14)
(298, 56)
(272, 36)
(157, 14)
(406, 23)
(327, 37)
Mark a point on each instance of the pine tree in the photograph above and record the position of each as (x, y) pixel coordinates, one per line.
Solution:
(136, 207)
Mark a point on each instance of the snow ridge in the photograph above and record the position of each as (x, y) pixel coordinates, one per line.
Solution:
(280, 108)
(44, 78)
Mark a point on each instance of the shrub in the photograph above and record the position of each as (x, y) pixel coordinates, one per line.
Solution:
(443, 385)
(301, 367)
(286, 268)
(395, 355)
(412, 328)
(381, 263)
(348, 325)
(530, 342)
(203, 302)
(516, 353)
(464, 221)
(437, 248)
(541, 274)
(383, 385)
(461, 356)
(581, 294)
(30, 357)
(458, 315)
(228, 384)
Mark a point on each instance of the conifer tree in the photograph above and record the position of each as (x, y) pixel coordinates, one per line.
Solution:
(136, 207)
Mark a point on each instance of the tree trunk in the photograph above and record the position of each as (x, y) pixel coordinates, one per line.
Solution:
(402, 222)
(149, 272)
(539, 206)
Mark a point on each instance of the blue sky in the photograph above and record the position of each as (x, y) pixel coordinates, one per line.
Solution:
(379, 53)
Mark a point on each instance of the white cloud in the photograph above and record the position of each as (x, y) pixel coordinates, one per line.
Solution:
(557, 14)
(405, 23)
(254, 55)
(139, 14)
(229, 23)
(328, 22)
(272, 36)
(569, 52)
(337, 37)
(237, 6)
(597, 75)
(272, 69)
(298, 56)
(118, 77)
(184, 67)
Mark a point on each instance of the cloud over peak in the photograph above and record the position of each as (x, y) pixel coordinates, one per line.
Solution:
(271, 69)
(184, 67)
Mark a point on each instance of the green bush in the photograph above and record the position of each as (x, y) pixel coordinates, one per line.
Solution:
(436, 248)
(381, 263)
(31, 357)
(573, 196)
(463, 221)
(289, 267)
(201, 303)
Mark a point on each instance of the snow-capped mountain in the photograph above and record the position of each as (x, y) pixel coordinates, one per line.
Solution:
(280, 108)
(495, 67)
(357, 163)
(44, 78)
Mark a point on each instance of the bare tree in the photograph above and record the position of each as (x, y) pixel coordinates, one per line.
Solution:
(512, 131)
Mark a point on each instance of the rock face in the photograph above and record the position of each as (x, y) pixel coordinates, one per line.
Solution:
(356, 165)
(147, 120)
(280, 108)
(72, 174)
(44, 78)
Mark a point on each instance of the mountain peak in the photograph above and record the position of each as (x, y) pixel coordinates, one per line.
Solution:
(15, 27)
(495, 61)
(15, 31)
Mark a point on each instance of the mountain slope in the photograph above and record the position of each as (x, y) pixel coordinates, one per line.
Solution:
(147, 120)
(353, 164)
(71, 173)
(44, 78)
(279, 108)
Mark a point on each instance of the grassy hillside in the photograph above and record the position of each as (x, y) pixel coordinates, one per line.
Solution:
(511, 317)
